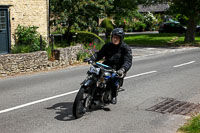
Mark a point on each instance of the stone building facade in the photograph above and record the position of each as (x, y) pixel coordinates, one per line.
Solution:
(23, 12)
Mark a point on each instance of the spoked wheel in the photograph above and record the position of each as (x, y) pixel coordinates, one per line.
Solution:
(81, 103)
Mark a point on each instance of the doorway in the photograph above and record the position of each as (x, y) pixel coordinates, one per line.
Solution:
(4, 31)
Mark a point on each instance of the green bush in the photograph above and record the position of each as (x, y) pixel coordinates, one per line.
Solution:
(119, 22)
(21, 49)
(107, 24)
(27, 40)
(129, 27)
(139, 26)
(86, 37)
(150, 20)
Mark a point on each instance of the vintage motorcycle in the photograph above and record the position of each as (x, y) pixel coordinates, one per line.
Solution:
(94, 90)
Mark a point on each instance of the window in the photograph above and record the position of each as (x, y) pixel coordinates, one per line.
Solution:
(2, 20)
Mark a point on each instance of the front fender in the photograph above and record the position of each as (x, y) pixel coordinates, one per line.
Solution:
(87, 82)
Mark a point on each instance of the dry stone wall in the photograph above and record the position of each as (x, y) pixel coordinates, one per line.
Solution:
(12, 64)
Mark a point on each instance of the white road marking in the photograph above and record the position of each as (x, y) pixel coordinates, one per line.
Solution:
(141, 74)
(35, 102)
(61, 95)
(184, 64)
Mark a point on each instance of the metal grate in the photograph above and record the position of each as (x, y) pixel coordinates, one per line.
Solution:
(170, 105)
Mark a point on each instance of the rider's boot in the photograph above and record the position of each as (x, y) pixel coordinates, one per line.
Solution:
(114, 100)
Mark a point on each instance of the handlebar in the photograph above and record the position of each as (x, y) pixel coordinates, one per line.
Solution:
(106, 68)
(103, 66)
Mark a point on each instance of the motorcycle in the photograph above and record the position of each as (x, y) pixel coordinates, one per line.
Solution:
(94, 90)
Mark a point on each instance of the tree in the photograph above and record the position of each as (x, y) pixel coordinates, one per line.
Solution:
(124, 11)
(189, 8)
(108, 25)
(85, 14)
(93, 11)
(67, 12)
(78, 14)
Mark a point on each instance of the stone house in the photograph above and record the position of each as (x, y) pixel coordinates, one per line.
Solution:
(156, 8)
(23, 12)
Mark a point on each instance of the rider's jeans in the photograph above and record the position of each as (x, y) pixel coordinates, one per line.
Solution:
(114, 84)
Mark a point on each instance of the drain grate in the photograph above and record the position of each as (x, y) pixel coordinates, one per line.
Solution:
(170, 105)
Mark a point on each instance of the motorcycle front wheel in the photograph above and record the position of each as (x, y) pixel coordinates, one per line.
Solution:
(80, 103)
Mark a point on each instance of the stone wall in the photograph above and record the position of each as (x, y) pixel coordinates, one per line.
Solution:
(12, 64)
(66, 56)
(28, 13)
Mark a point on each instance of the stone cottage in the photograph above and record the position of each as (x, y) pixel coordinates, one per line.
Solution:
(23, 12)
(156, 8)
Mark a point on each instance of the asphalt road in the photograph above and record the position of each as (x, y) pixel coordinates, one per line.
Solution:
(42, 102)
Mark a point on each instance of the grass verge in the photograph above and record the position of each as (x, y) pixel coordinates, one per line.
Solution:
(160, 40)
(192, 126)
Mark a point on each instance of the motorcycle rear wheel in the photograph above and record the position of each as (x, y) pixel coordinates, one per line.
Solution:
(79, 108)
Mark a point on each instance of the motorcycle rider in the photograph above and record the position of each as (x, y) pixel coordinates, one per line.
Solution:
(118, 55)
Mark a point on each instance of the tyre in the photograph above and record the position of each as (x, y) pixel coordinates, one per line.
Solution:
(80, 105)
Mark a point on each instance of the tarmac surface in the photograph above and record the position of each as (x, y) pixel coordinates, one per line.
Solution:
(138, 52)
(146, 51)
(43, 102)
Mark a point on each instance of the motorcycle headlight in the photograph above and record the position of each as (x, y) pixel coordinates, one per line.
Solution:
(106, 75)
(94, 70)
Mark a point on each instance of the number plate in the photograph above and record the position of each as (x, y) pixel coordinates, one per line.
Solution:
(94, 70)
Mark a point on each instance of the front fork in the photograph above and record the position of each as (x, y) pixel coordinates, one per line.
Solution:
(89, 91)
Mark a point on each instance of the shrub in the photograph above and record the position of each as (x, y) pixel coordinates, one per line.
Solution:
(21, 49)
(86, 37)
(27, 40)
(107, 24)
(150, 21)
(139, 26)
(120, 22)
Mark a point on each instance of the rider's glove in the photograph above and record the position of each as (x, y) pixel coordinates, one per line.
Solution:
(87, 60)
(121, 72)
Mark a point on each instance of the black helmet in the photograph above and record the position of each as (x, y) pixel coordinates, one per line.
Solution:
(118, 32)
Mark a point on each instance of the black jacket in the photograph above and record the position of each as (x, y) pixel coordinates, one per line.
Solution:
(116, 56)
